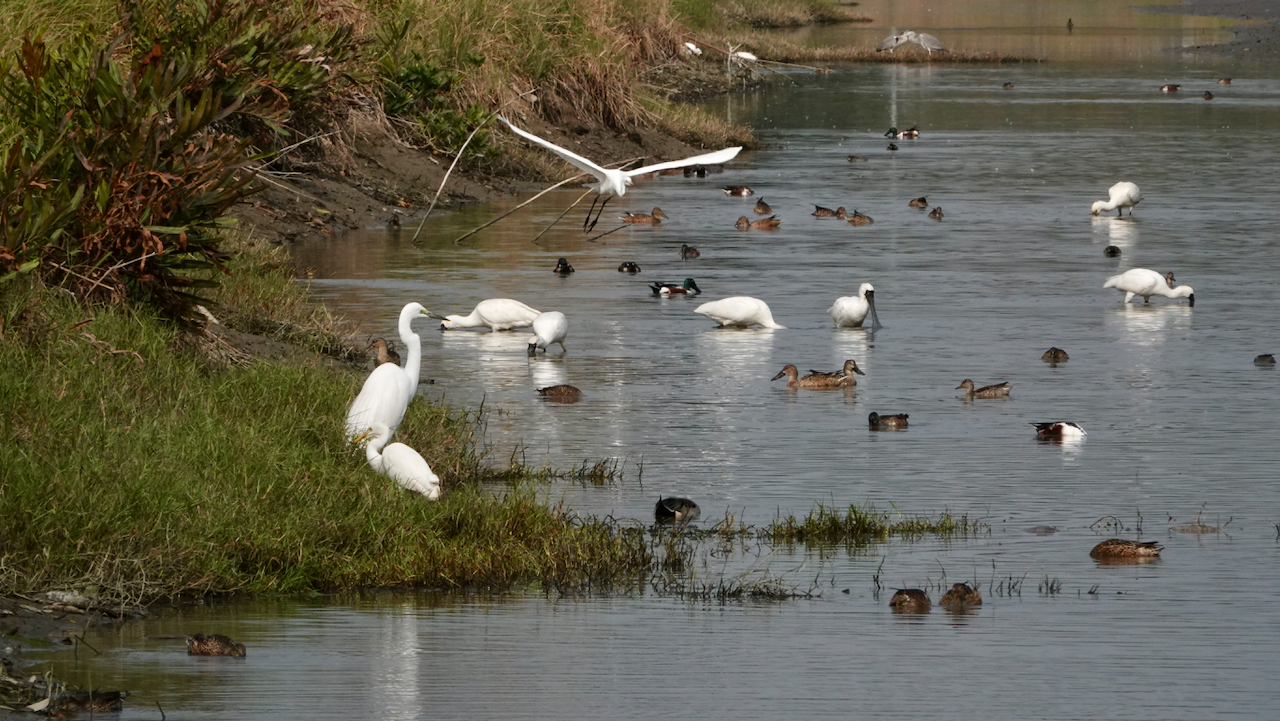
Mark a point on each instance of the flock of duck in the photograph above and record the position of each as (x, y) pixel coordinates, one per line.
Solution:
(380, 406)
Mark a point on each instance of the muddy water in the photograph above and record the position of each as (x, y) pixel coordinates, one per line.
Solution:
(1178, 418)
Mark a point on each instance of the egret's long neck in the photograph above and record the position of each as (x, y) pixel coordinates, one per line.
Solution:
(413, 346)
(373, 450)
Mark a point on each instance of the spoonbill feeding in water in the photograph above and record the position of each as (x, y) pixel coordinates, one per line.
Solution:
(614, 182)
(496, 313)
(1146, 283)
(548, 328)
(851, 311)
(740, 311)
(1123, 195)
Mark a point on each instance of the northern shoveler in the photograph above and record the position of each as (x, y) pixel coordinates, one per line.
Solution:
(563, 267)
(688, 287)
(762, 208)
(1120, 548)
(860, 219)
(1055, 355)
(628, 267)
(675, 511)
(1146, 283)
(961, 594)
(910, 600)
(215, 644)
(909, 134)
(769, 223)
(922, 202)
(1170, 88)
(887, 421)
(842, 378)
(688, 251)
(998, 390)
(385, 354)
(652, 218)
(1058, 430)
(738, 191)
(821, 212)
(936, 213)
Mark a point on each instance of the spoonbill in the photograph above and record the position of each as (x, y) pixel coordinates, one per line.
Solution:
(851, 311)
(614, 182)
(496, 313)
(1123, 195)
(389, 388)
(399, 462)
(739, 311)
(1146, 283)
(550, 327)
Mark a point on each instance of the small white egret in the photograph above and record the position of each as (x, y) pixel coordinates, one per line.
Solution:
(851, 311)
(389, 388)
(399, 462)
(924, 40)
(614, 182)
(550, 327)
(1146, 283)
(740, 311)
(1123, 195)
(496, 314)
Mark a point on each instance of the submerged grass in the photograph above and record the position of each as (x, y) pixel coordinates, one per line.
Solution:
(829, 526)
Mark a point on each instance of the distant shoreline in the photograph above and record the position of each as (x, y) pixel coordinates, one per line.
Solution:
(1251, 42)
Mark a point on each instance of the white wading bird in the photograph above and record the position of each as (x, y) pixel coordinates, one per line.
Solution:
(851, 310)
(399, 462)
(389, 388)
(496, 313)
(548, 328)
(740, 311)
(615, 182)
(1123, 195)
(1146, 283)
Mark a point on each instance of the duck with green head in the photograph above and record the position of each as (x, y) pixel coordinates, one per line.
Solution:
(688, 287)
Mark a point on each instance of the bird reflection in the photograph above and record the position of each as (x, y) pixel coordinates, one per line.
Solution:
(1121, 232)
(1149, 325)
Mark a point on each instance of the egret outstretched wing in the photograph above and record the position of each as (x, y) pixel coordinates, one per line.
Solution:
(720, 156)
(890, 42)
(570, 156)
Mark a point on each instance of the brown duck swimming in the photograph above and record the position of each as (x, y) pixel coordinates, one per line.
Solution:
(887, 422)
(653, 218)
(675, 511)
(1120, 548)
(842, 378)
(860, 219)
(1055, 355)
(769, 223)
(936, 213)
(762, 208)
(998, 390)
(1007, 86)
(910, 600)
(561, 391)
(922, 202)
(1266, 359)
(215, 644)
(961, 595)
(385, 352)
(1207, 95)
(821, 212)
(688, 251)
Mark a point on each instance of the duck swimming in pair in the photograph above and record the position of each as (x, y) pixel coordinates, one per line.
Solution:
(738, 191)
(563, 267)
(688, 251)
(842, 378)
(909, 134)
(999, 390)
(769, 223)
(739, 311)
(1146, 283)
(936, 213)
(922, 202)
(762, 208)
(851, 311)
(653, 218)
(820, 381)
(688, 287)
(880, 422)
(860, 219)
(629, 267)
(821, 212)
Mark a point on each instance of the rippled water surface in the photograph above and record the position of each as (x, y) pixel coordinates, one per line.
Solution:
(1178, 418)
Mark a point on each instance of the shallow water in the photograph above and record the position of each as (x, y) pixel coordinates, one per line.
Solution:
(1177, 415)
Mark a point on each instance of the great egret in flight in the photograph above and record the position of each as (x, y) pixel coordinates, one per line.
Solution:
(614, 182)
(389, 388)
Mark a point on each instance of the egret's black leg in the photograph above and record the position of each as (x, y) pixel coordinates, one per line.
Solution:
(599, 213)
(587, 219)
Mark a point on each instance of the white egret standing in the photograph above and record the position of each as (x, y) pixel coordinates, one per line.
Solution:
(924, 40)
(851, 310)
(550, 327)
(740, 311)
(614, 182)
(399, 462)
(1123, 195)
(389, 388)
(1146, 283)
(496, 313)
